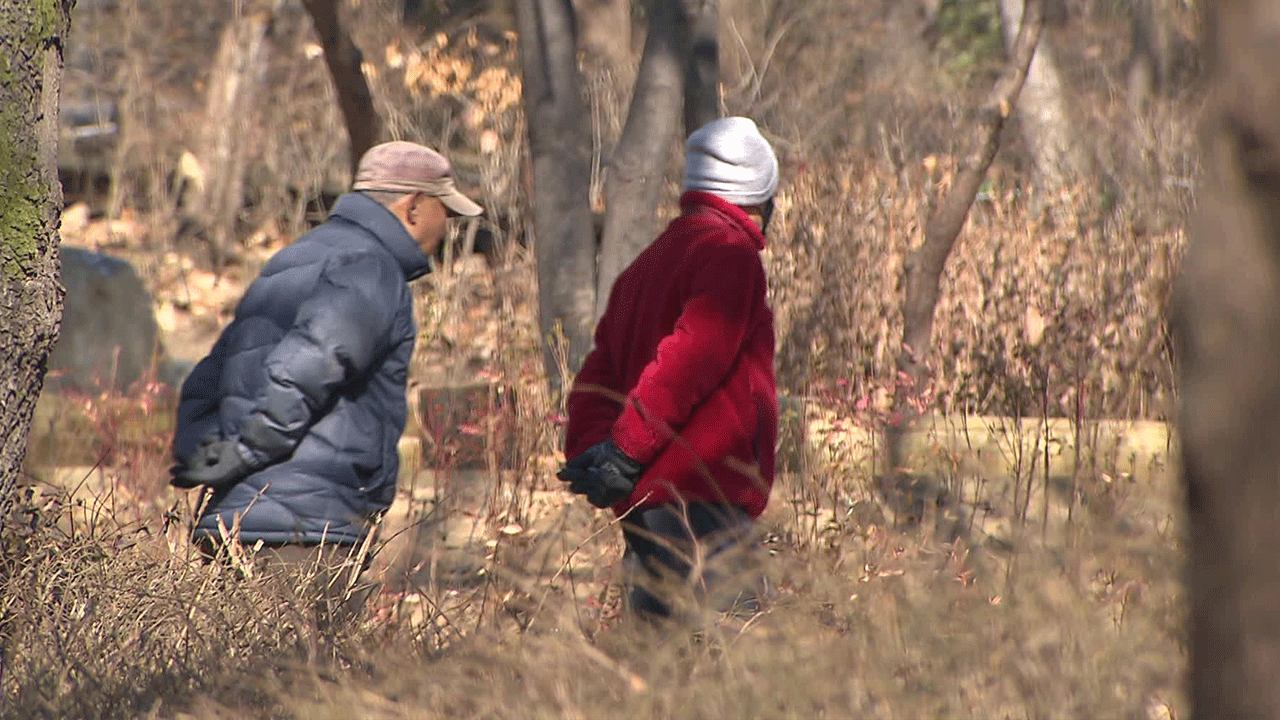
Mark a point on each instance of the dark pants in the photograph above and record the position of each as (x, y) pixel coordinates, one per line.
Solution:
(704, 552)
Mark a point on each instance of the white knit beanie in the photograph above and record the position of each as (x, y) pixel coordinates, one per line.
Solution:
(729, 158)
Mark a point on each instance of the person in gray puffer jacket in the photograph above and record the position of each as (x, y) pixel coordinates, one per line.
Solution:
(292, 421)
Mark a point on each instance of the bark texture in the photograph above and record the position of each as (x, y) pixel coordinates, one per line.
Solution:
(637, 168)
(236, 83)
(1044, 115)
(924, 265)
(605, 29)
(701, 40)
(31, 36)
(560, 148)
(1155, 49)
(679, 71)
(1226, 325)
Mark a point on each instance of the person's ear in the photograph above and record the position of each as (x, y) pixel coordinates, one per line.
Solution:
(411, 212)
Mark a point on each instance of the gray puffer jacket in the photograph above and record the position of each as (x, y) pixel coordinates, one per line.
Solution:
(310, 379)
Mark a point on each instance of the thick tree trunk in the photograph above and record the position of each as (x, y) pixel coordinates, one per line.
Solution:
(560, 146)
(1043, 112)
(344, 60)
(31, 36)
(680, 68)
(702, 63)
(1226, 322)
(605, 29)
(923, 271)
(637, 169)
(235, 86)
(1152, 54)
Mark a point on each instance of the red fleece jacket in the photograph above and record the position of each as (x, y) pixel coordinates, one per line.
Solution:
(681, 375)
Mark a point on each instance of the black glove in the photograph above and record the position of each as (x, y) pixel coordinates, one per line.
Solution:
(576, 469)
(214, 463)
(182, 464)
(176, 475)
(604, 474)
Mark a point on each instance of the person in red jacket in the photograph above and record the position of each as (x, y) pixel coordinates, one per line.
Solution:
(674, 415)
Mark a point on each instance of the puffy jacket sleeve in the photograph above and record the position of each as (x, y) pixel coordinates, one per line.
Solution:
(338, 334)
(726, 285)
(595, 400)
(198, 402)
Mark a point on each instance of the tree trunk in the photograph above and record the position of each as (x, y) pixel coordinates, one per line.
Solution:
(344, 60)
(560, 148)
(1151, 57)
(637, 169)
(1226, 324)
(702, 63)
(31, 41)
(680, 68)
(236, 83)
(1043, 113)
(605, 29)
(924, 265)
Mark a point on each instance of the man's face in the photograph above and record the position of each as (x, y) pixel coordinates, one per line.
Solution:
(426, 219)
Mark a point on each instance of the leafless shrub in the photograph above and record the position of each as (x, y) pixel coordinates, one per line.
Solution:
(873, 625)
(104, 620)
(1035, 309)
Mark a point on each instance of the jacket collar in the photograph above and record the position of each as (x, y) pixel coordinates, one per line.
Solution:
(697, 201)
(377, 220)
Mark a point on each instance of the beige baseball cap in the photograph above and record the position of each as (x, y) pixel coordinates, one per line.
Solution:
(401, 166)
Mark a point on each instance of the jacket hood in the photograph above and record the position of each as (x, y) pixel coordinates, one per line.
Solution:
(368, 214)
(696, 201)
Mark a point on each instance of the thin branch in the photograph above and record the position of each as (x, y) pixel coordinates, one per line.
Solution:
(924, 265)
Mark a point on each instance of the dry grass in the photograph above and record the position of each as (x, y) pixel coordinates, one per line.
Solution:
(103, 620)
(1051, 307)
(888, 625)
(873, 617)
(841, 643)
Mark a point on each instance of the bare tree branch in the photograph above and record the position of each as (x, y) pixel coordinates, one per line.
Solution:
(344, 60)
(924, 265)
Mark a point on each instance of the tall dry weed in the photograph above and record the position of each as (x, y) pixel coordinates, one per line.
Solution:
(108, 620)
(1055, 311)
(105, 619)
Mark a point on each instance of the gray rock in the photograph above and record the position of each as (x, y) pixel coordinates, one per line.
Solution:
(109, 338)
